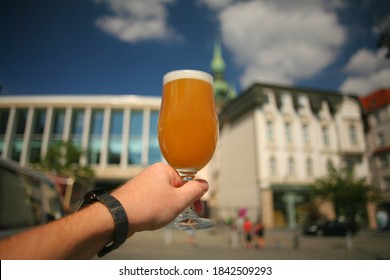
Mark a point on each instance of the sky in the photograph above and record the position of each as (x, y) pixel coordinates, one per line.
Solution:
(116, 47)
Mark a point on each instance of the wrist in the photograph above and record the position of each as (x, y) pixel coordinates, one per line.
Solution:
(120, 231)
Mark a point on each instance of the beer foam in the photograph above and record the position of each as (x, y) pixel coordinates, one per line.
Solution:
(187, 74)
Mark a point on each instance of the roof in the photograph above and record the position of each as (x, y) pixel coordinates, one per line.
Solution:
(376, 100)
(254, 97)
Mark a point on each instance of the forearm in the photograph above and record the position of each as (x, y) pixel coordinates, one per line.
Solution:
(77, 236)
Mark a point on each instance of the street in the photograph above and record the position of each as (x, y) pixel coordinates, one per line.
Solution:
(218, 244)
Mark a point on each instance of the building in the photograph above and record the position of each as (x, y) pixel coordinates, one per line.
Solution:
(275, 141)
(377, 119)
(119, 133)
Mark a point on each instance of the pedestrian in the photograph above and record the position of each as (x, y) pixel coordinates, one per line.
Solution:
(149, 201)
(190, 237)
(248, 233)
(382, 220)
(259, 235)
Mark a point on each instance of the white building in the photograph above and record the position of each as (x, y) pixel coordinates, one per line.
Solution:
(275, 141)
(119, 133)
(377, 116)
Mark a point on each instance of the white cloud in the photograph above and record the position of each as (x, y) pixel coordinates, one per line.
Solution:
(137, 20)
(367, 71)
(280, 41)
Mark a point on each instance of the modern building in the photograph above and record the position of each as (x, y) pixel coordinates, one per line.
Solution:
(377, 120)
(119, 133)
(275, 141)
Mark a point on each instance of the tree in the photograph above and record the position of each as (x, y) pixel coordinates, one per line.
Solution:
(348, 193)
(63, 159)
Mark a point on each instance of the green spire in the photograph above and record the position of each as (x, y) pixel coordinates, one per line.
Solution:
(217, 64)
(223, 92)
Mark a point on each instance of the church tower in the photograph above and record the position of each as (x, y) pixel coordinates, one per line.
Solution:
(223, 92)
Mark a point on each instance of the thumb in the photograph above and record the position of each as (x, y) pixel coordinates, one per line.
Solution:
(193, 190)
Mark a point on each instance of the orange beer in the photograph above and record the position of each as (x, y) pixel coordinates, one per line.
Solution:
(188, 123)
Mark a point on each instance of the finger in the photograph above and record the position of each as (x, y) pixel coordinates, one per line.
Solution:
(198, 205)
(193, 191)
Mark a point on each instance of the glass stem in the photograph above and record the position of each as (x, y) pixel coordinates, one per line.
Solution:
(187, 175)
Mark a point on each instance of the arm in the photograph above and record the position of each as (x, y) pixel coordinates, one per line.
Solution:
(151, 200)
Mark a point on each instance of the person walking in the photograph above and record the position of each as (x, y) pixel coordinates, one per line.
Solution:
(248, 233)
(259, 235)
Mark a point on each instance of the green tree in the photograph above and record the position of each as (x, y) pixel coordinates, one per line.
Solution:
(63, 159)
(348, 193)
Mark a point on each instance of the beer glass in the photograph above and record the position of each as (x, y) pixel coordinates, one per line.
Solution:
(188, 131)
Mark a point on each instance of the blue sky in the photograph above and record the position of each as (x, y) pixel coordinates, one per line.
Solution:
(125, 46)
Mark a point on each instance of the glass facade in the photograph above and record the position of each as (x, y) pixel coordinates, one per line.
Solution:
(4, 115)
(77, 127)
(58, 125)
(154, 154)
(115, 137)
(37, 135)
(95, 136)
(141, 134)
(17, 140)
(134, 148)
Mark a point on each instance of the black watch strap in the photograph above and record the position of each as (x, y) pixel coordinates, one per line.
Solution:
(118, 213)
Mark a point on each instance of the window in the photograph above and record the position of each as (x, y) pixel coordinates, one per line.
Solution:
(325, 135)
(270, 131)
(291, 167)
(17, 143)
(95, 136)
(309, 167)
(380, 139)
(154, 154)
(383, 161)
(329, 165)
(272, 166)
(37, 135)
(288, 132)
(115, 137)
(135, 137)
(77, 126)
(58, 125)
(4, 114)
(285, 100)
(353, 134)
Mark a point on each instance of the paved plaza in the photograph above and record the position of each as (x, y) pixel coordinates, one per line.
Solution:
(220, 244)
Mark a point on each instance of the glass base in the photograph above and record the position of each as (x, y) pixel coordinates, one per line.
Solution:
(188, 220)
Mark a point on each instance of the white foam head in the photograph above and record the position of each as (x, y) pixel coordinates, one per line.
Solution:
(189, 74)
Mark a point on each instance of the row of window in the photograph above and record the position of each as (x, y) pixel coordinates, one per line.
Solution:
(273, 170)
(124, 131)
(352, 131)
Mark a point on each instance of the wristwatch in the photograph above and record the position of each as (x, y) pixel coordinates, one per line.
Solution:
(118, 213)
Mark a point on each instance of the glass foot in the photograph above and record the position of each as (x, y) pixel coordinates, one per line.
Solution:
(188, 220)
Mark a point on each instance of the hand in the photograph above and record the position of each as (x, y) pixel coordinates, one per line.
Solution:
(156, 196)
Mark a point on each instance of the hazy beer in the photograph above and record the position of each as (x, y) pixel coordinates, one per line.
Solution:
(188, 124)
